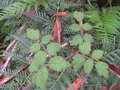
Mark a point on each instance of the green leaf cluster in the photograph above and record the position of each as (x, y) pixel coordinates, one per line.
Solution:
(79, 16)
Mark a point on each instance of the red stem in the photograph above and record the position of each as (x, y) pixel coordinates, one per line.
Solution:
(29, 85)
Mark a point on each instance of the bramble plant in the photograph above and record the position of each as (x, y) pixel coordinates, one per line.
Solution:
(86, 57)
(59, 45)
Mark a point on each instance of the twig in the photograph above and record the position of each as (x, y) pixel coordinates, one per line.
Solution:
(9, 58)
(10, 45)
(24, 81)
(29, 85)
(2, 47)
(6, 80)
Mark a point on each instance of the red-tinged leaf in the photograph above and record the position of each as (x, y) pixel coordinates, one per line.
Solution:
(78, 82)
(61, 13)
(115, 69)
(57, 31)
(29, 14)
(76, 85)
(105, 88)
(116, 87)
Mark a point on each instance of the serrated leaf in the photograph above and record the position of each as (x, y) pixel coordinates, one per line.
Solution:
(33, 34)
(87, 26)
(88, 38)
(78, 15)
(39, 59)
(75, 27)
(78, 62)
(57, 63)
(102, 69)
(46, 39)
(97, 54)
(52, 48)
(88, 66)
(85, 48)
(35, 47)
(76, 40)
(41, 77)
(34, 66)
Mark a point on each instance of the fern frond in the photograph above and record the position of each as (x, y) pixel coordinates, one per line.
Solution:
(113, 57)
(107, 23)
(13, 9)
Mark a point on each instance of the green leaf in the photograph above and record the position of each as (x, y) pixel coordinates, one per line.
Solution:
(88, 66)
(102, 69)
(78, 15)
(57, 63)
(88, 38)
(52, 48)
(44, 3)
(85, 48)
(33, 34)
(46, 39)
(75, 27)
(76, 40)
(35, 47)
(87, 26)
(39, 59)
(78, 62)
(97, 54)
(34, 66)
(41, 77)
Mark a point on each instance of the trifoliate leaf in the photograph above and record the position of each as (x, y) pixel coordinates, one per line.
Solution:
(58, 63)
(40, 78)
(88, 38)
(87, 26)
(78, 15)
(35, 47)
(52, 48)
(102, 69)
(78, 62)
(97, 54)
(76, 40)
(75, 27)
(46, 39)
(39, 59)
(85, 48)
(88, 66)
(33, 34)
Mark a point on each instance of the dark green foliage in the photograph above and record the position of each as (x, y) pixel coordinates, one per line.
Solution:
(104, 26)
